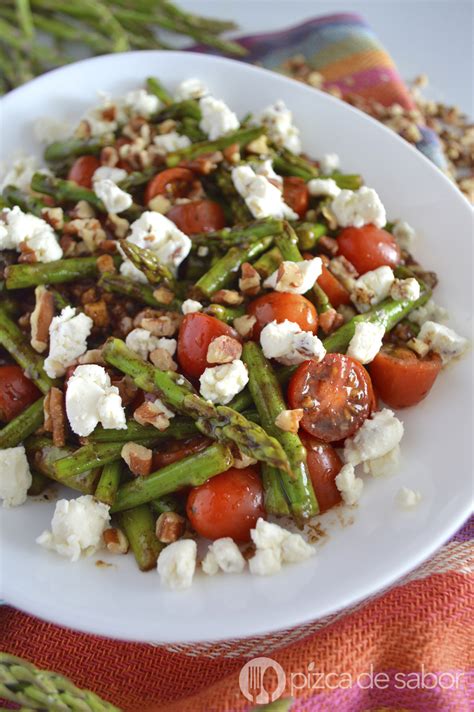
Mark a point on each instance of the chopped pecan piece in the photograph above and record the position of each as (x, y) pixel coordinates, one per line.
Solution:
(330, 320)
(232, 153)
(328, 246)
(92, 356)
(289, 276)
(162, 359)
(53, 216)
(289, 420)
(82, 210)
(165, 325)
(41, 319)
(109, 156)
(169, 527)
(27, 254)
(249, 283)
(138, 458)
(227, 296)
(244, 324)
(224, 349)
(98, 312)
(105, 263)
(205, 164)
(153, 413)
(127, 389)
(163, 295)
(115, 541)
(118, 226)
(55, 416)
(89, 295)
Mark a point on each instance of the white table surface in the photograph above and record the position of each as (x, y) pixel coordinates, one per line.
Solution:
(435, 37)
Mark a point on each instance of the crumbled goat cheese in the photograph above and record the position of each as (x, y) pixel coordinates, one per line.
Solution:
(220, 384)
(268, 535)
(20, 173)
(288, 344)
(68, 335)
(191, 306)
(262, 198)
(105, 118)
(276, 545)
(329, 162)
(15, 476)
(226, 554)
(405, 289)
(358, 208)
(209, 564)
(172, 141)
(366, 342)
(372, 288)
(77, 527)
(141, 103)
(190, 89)
(109, 173)
(278, 120)
(91, 399)
(404, 234)
(442, 340)
(307, 272)
(349, 485)
(48, 129)
(428, 312)
(177, 564)
(143, 343)
(265, 168)
(408, 498)
(115, 199)
(385, 465)
(217, 119)
(323, 188)
(265, 562)
(295, 549)
(37, 234)
(378, 435)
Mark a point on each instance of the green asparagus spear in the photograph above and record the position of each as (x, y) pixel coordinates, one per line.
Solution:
(23, 425)
(226, 268)
(274, 497)
(64, 191)
(66, 270)
(189, 108)
(137, 178)
(239, 235)
(155, 87)
(38, 484)
(13, 340)
(168, 503)
(287, 243)
(227, 314)
(241, 136)
(289, 164)
(179, 428)
(244, 399)
(268, 262)
(139, 527)
(320, 299)
(148, 263)
(348, 181)
(92, 455)
(309, 234)
(233, 202)
(62, 150)
(142, 293)
(29, 204)
(269, 400)
(190, 472)
(217, 422)
(43, 454)
(109, 482)
(190, 127)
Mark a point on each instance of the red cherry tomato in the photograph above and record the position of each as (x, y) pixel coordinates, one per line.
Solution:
(17, 392)
(83, 169)
(178, 450)
(337, 294)
(172, 182)
(368, 247)
(324, 464)
(228, 504)
(278, 306)
(197, 216)
(295, 194)
(336, 395)
(401, 378)
(195, 334)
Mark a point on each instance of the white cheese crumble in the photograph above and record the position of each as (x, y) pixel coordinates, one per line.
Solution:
(278, 120)
(404, 234)
(172, 141)
(220, 384)
(109, 173)
(262, 198)
(372, 288)
(288, 344)
(442, 340)
(141, 103)
(143, 343)
(323, 188)
(77, 527)
(105, 118)
(329, 162)
(15, 476)
(115, 199)
(68, 335)
(48, 129)
(217, 119)
(191, 88)
(225, 555)
(307, 272)
(91, 399)
(20, 172)
(384, 465)
(265, 562)
(366, 342)
(265, 168)
(378, 435)
(408, 498)
(37, 234)
(349, 485)
(191, 306)
(177, 564)
(428, 312)
(358, 208)
(405, 289)
(276, 545)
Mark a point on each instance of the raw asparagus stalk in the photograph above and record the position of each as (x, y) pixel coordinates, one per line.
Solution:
(23, 425)
(239, 235)
(91, 455)
(275, 502)
(67, 270)
(139, 527)
(155, 87)
(268, 398)
(13, 340)
(216, 421)
(43, 454)
(109, 482)
(148, 263)
(241, 136)
(179, 428)
(142, 293)
(62, 150)
(189, 472)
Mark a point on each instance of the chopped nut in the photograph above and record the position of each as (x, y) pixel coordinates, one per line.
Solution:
(203, 165)
(27, 255)
(118, 226)
(289, 420)
(24, 320)
(160, 204)
(250, 281)
(127, 389)
(55, 416)
(289, 276)
(87, 229)
(150, 413)
(227, 296)
(160, 326)
(138, 458)
(109, 156)
(330, 320)
(162, 359)
(41, 319)
(53, 216)
(224, 349)
(258, 146)
(163, 295)
(92, 356)
(89, 295)
(166, 126)
(344, 271)
(244, 324)
(232, 153)
(169, 527)
(105, 263)
(328, 246)
(115, 541)
(82, 210)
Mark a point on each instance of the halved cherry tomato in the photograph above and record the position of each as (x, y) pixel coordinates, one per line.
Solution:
(295, 194)
(401, 377)
(195, 334)
(197, 216)
(337, 294)
(324, 464)
(278, 306)
(368, 247)
(83, 169)
(336, 395)
(172, 182)
(17, 392)
(177, 450)
(228, 504)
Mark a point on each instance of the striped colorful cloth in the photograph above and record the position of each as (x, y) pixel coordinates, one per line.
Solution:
(409, 648)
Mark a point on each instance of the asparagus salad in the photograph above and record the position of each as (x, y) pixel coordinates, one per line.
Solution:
(197, 323)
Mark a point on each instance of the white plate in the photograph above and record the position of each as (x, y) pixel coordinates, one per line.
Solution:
(382, 543)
